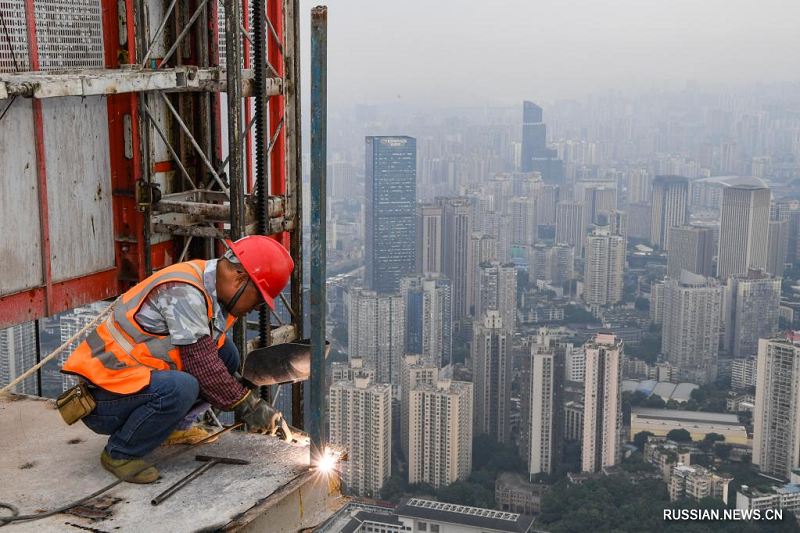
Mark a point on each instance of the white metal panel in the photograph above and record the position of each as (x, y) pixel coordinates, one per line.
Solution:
(78, 185)
(20, 247)
(69, 34)
(14, 45)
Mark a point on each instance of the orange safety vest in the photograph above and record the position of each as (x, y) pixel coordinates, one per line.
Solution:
(119, 355)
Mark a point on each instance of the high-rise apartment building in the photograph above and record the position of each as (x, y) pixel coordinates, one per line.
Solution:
(690, 339)
(491, 362)
(484, 249)
(536, 156)
(777, 247)
(414, 371)
(598, 200)
(360, 417)
(776, 418)
(523, 220)
(429, 317)
(554, 263)
(440, 432)
(497, 290)
(640, 186)
(569, 225)
(547, 197)
(17, 355)
(743, 230)
(743, 372)
(603, 268)
(602, 406)
(640, 221)
(545, 408)
(657, 302)
(617, 222)
(390, 208)
(376, 332)
(456, 235)
(752, 312)
(692, 249)
(429, 239)
(670, 207)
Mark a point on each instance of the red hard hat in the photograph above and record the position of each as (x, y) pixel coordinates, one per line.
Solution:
(267, 263)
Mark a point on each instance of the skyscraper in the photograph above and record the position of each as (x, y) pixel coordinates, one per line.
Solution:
(743, 230)
(429, 239)
(17, 355)
(491, 361)
(602, 407)
(360, 414)
(569, 225)
(536, 156)
(391, 201)
(429, 317)
(545, 411)
(692, 249)
(752, 309)
(440, 432)
(778, 246)
(497, 290)
(376, 332)
(670, 208)
(692, 311)
(603, 268)
(776, 417)
(457, 231)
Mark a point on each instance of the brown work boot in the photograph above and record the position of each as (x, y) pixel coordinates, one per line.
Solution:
(193, 435)
(123, 468)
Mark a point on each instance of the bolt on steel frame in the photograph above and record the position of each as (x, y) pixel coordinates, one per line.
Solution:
(176, 74)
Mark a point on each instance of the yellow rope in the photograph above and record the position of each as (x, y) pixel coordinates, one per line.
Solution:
(58, 350)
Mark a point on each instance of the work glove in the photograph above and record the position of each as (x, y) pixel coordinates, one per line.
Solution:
(258, 415)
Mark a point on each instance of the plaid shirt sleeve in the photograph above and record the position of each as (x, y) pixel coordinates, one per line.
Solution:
(217, 386)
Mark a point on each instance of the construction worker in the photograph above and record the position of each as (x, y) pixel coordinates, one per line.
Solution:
(163, 352)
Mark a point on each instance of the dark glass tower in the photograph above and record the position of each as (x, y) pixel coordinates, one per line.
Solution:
(391, 190)
(536, 156)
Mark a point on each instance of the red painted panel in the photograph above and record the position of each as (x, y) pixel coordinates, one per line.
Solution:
(30, 305)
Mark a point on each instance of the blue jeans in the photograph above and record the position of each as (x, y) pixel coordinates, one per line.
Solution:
(138, 423)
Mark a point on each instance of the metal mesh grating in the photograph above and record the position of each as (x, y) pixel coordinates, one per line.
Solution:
(69, 34)
(13, 22)
(221, 32)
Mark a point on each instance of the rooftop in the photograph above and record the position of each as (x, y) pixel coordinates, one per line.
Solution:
(45, 464)
(463, 514)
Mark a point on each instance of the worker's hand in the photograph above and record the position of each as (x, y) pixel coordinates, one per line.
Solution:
(258, 415)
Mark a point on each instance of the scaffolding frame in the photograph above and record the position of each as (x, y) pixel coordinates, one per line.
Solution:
(174, 194)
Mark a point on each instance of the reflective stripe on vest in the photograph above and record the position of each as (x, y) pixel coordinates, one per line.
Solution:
(119, 355)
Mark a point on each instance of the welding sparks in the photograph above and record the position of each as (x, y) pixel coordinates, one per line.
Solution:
(327, 463)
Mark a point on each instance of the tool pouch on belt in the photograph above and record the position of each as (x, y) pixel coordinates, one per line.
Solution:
(75, 403)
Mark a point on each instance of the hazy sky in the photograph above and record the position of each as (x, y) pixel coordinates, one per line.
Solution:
(467, 52)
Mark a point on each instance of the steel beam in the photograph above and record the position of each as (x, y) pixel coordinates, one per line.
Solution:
(131, 79)
(319, 53)
(294, 182)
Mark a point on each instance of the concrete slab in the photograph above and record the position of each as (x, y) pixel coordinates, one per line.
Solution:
(45, 464)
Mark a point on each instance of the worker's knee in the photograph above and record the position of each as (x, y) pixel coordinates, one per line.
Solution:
(229, 354)
(178, 390)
